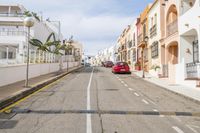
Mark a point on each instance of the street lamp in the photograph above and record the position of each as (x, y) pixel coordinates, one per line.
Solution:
(143, 62)
(28, 22)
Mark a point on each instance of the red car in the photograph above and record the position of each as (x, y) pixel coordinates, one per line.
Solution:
(121, 67)
(109, 64)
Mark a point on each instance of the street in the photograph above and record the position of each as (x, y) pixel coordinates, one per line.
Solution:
(94, 100)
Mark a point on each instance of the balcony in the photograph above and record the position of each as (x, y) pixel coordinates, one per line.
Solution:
(12, 33)
(139, 39)
(165, 71)
(186, 5)
(193, 70)
(153, 31)
(172, 28)
(11, 14)
(130, 44)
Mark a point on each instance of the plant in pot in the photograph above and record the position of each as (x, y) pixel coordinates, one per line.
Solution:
(138, 66)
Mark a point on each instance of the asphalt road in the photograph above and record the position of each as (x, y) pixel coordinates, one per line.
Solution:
(93, 100)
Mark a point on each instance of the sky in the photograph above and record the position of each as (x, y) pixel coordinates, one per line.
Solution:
(95, 23)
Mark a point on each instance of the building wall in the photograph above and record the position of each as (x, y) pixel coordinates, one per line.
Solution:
(154, 15)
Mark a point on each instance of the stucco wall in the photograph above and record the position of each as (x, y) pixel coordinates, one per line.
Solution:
(13, 74)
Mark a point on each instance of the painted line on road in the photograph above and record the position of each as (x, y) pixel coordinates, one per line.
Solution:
(151, 102)
(155, 110)
(130, 89)
(161, 116)
(39, 90)
(178, 130)
(122, 82)
(125, 85)
(191, 128)
(88, 116)
(143, 100)
(136, 94)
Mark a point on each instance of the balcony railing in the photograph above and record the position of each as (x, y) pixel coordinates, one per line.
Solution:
(193, 70)
(11, 14)
(165, 70)
(153, 31)
(12, 33)
(172, 28)
(139, 39)
(130, 44)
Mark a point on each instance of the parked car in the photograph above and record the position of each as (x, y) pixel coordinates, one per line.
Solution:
(109, 64)
(121, 67)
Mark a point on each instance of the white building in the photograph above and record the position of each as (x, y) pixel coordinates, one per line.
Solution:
(189, 31)
(13, 37)
(132, 45)
(154, 47)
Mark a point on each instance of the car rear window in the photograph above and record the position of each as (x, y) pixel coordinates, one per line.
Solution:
(121, 64)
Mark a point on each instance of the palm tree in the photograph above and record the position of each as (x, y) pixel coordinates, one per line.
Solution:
(32, 14)
(54, 46)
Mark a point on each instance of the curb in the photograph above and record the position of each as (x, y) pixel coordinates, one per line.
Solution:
(13, 99)
(176, 93)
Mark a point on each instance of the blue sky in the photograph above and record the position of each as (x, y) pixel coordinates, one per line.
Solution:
(95, 23)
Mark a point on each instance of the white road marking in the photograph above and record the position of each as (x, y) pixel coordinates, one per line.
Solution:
(145, 101)
(151, 102)
(178, 130)
(88, 119)
(130, 89)
(192, 129)
(125, 85)
(122, 82)
(155, 110)
(161, 116)
(136, 94)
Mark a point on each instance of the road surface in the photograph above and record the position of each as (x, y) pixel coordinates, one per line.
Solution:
(93, 100)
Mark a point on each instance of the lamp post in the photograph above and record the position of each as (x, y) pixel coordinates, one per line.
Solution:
(28, 22)
(143, 62)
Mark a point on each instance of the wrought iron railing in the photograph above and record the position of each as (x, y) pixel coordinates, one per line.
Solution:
(172, 28)
(139, 39)
(165, 70)
(193, 70)
(153, 31)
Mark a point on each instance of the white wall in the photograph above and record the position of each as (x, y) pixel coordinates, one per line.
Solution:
(12, 74)
(155, 10)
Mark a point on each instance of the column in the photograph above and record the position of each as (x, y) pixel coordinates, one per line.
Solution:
(9, 10)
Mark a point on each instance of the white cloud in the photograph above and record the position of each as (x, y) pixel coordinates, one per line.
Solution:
(90, 21)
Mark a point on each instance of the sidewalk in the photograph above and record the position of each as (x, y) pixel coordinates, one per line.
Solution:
(192, 93)
(16, 88)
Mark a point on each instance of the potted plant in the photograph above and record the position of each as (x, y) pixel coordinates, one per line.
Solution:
(138, 66)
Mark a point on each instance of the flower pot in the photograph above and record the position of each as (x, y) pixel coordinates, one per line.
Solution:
(138, 68)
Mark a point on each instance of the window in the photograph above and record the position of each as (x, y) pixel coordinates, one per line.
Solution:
(129, 54)
(146, 54)
(155, 19)
(134, 56)
(195, 52)
(154, 50)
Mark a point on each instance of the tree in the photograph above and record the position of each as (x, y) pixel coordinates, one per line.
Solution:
(53, 46)
(32, 14)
